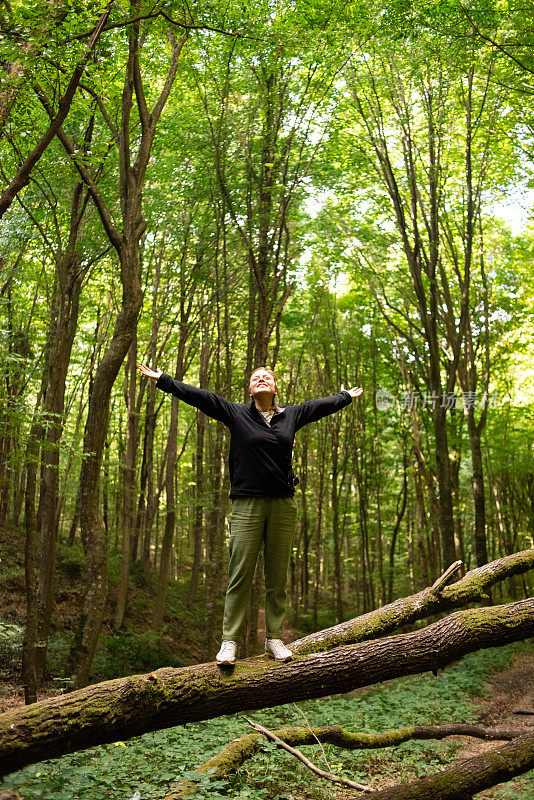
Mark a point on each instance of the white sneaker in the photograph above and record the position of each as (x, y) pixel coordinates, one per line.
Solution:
(226, 654)
(275, 648)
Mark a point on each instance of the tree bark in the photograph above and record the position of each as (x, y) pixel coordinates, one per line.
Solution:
(62, 332)
(479, 497)
(198, 520)
(147, 494)
(31, 547)
(126, 707)
(401, 508)
(334, 501)
(128, 482)
(214, 539)
(170, 512)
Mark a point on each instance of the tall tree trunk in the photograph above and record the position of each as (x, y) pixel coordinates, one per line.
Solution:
(214, 540)
(31, 638)
(70, 277)
(304, 557)
(92, 529)
(468, 378)
(334, 500)
(318, 538)
(127, 245)
(147, 493)
(170, 517)
(128, 482)
(200, 491)
(18, 346)
(401, 508)
(170, 512)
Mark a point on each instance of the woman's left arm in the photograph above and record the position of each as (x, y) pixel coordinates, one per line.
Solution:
(313, 410)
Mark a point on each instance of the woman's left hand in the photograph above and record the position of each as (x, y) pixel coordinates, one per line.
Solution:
(150, 373)
(356, 391)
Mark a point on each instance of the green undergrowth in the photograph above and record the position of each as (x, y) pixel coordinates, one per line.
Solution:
(147, 767)
(136, 648)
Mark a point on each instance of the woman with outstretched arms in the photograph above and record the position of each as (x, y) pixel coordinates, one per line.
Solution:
(262, 492)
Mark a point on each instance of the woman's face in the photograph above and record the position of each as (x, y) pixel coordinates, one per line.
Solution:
(262, 381)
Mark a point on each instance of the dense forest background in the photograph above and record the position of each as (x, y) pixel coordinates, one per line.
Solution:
(338, 191)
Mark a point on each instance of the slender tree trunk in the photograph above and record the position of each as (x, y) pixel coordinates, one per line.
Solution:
(170, 473)
(199, 477)
(170, 518)
(198, 519)
(478, 491)
(13, 389)
(318, 528)
(31, 637)
(128, 482)
(146, 497)
(93, 534)
(400, 514)
(334, 500)
(170, 512)
(70, 277)
(304, 557)
(214, 541)
(18, 496)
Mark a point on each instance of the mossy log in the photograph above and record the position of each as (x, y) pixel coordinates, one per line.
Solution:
(471, 588)
(127, 707)
(229, 760)
(466, 778)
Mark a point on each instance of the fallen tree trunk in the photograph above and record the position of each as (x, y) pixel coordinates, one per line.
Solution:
(229, 760)
(466, 778)
(471, 588)
(126, 707)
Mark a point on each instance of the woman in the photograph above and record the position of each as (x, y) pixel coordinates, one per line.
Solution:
(262, 493)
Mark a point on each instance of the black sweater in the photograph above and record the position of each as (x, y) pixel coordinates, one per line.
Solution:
(260, 454)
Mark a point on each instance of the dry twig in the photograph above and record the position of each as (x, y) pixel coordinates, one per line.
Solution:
(307, 763)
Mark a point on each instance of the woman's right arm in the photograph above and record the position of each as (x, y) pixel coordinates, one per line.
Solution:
(209, 403)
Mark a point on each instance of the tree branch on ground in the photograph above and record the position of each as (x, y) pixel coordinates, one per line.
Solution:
(228, 761)
(126, 707)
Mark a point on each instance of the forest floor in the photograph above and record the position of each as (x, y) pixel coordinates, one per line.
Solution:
(510, 702)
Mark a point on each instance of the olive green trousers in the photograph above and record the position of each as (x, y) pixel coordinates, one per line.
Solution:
(257, 521)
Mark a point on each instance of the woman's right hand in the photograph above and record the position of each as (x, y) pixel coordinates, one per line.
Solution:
(150, 373)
